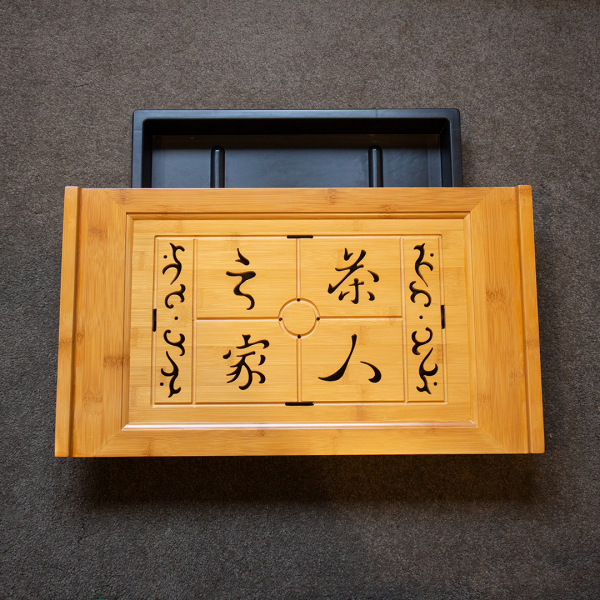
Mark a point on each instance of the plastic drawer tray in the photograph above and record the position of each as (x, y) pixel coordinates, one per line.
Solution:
(296, 148)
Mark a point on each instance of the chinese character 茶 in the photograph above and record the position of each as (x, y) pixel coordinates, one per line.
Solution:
(355, 266)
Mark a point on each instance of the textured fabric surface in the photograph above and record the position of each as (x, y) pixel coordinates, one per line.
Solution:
(525, 77)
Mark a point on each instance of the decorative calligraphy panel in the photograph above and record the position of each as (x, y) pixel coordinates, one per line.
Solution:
(268, 334)
(423, 316)
(244, 277)
(354, 360)
(353, 276)
(173, 335)
(311, 296)
(244, 362)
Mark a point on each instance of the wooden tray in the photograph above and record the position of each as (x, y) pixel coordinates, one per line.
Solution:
(305, 321)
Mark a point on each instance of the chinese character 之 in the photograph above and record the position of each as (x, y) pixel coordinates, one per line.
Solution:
(245, 276)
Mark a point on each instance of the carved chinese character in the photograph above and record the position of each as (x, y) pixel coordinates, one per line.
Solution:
(340, 372)
(241, 364)
(355, 266)
(245, 276)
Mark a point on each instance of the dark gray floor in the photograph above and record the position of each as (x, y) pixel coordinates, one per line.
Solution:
(525, 76)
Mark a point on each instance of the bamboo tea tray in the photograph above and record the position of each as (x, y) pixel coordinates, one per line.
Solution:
(298, 321)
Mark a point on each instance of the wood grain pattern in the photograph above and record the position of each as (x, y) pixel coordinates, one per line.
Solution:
(374, 352)
(299, 317)
(530, 319)
(497, 306)
(322, 203)
(224, 263)
(245, 362)
(489, 393)
(173, 361)
(100, 299)
(356, 276)
(262, 441)
(66, 338)
(423, 317)
(378, 237)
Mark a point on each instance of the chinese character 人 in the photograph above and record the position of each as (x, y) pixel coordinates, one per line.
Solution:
(340, 372)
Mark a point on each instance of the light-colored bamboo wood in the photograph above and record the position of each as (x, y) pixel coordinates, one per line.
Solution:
(270, 262)
(110, 401)
(498, 312)
(299, 317)
(377, 342)
(221, 380)
(368, 406)
(323, 203)
(423, 318)
(463, 438)
(530, 319)
(66, 338)
(323, 263)
(174, 269)
(99, 355)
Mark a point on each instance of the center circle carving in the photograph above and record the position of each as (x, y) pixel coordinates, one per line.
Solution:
(299, 317)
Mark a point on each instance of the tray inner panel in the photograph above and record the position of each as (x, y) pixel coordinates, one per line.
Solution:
(297, 160)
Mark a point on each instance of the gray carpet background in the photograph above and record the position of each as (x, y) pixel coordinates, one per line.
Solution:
(525, 76)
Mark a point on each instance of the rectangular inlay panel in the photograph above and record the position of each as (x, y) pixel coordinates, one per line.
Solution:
(329, 320)
(244, 277)
(174, 282)
(288, 319)
(298, 322)
(352, 276)
(424, 316)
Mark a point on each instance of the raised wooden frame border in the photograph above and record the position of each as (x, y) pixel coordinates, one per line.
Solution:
(504, 338)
